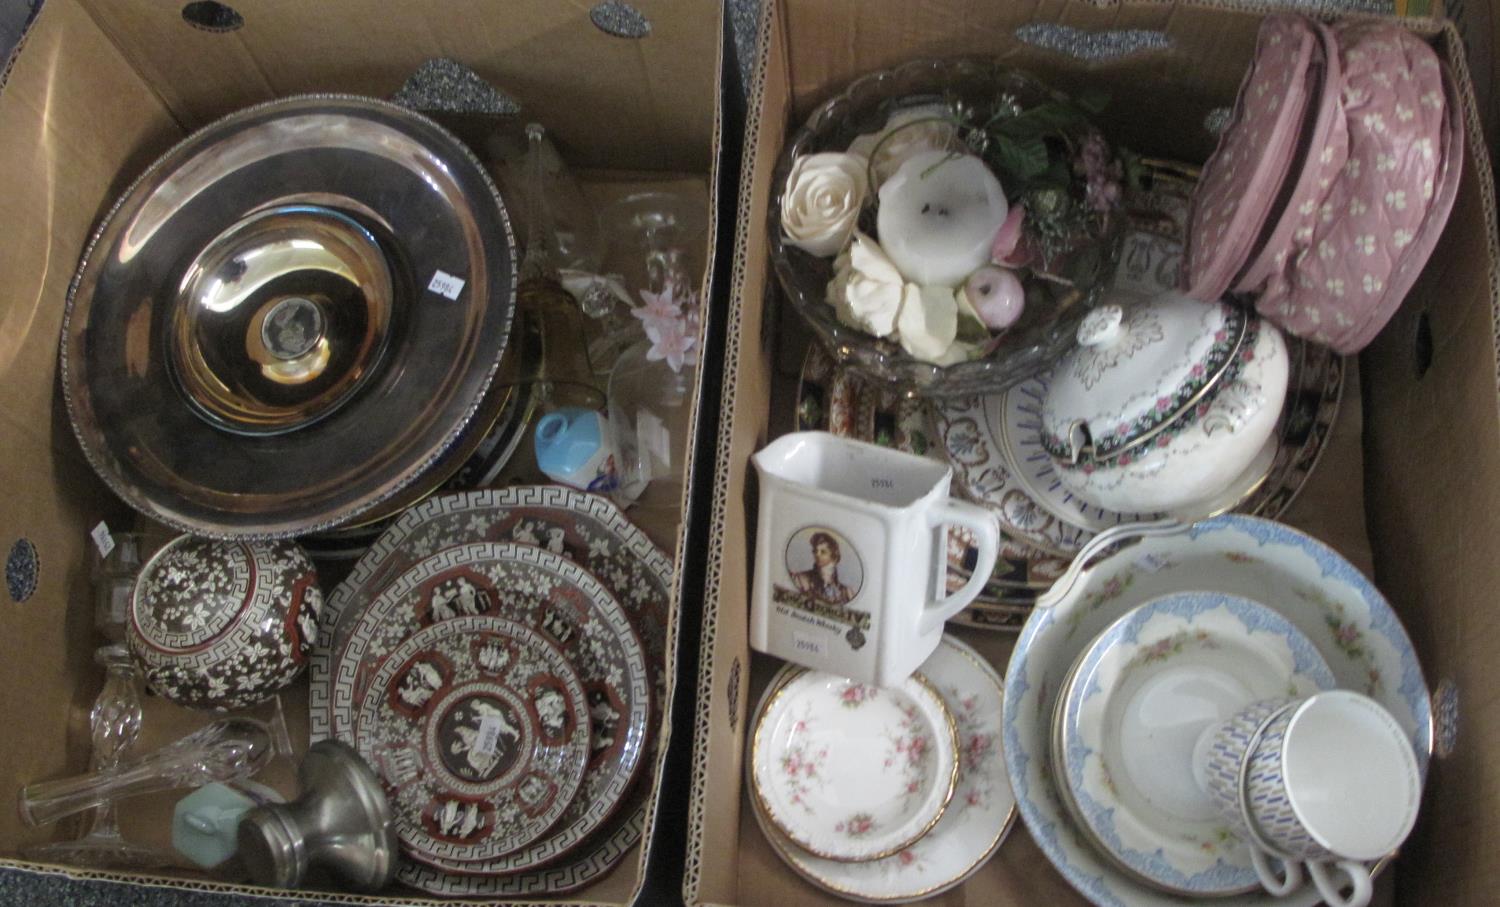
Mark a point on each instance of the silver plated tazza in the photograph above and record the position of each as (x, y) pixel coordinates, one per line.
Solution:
(290, 318)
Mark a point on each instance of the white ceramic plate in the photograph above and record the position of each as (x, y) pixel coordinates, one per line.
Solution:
(850, 771)
(1147, 688)
(975, 822)
(1309, 584)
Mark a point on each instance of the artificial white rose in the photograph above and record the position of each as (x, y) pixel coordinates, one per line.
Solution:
(928, 321)
(867, 290)
(906, 133)
(821, 203)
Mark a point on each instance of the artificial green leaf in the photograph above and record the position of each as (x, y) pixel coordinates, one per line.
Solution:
(1022, 159)
(1092, 100)
(1044, 119)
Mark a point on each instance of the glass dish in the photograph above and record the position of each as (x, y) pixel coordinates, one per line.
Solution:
(1076, 274)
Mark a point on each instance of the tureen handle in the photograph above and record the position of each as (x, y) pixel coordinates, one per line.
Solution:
(1097, 546)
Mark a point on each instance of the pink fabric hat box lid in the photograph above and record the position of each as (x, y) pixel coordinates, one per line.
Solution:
(1243, 179)
(1321, 153)
(1345, 279)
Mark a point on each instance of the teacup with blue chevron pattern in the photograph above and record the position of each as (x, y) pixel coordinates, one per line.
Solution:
(1330, 780)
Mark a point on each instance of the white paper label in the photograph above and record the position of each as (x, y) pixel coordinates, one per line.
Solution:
(489, 735)
(102, 539)
(445, 284)
(655, 440)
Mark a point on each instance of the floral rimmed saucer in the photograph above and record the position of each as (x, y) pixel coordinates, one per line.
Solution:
(1133, 710)
(850, 771)
(973, 826)
(479, 729)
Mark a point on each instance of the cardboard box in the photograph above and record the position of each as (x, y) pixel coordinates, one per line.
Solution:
(1408, 489)
(98, 90)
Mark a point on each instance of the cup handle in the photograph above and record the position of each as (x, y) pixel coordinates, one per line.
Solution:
(1358, 874)
(986, 529)
(1277, 886)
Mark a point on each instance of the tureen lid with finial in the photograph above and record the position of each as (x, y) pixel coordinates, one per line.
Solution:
(1138, 369)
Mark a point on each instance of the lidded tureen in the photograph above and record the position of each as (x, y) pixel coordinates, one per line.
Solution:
(1164, 403)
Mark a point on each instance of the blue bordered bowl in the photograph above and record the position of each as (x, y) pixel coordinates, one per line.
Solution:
(1311, 585)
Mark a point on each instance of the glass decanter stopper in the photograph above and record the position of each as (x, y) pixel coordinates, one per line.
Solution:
(228, 749)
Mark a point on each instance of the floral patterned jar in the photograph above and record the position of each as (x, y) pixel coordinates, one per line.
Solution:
(223, 624)
(1163, 405)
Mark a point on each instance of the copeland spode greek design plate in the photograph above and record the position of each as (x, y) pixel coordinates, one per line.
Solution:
(1131, 714)
(851, 771)
(567, 606)
(1309, 584)
(585, 528)
(479, 730)
(977, 818)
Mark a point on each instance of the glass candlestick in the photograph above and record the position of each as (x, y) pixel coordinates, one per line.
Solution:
(228, 749)
(115, 722)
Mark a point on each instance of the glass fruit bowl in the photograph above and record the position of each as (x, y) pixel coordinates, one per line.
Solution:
(1049, 159)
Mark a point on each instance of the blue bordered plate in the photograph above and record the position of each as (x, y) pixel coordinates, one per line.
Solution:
(1143, 694)
(1308, 583)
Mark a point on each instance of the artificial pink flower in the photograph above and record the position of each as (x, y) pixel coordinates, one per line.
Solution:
(1006, 249)
(659, 308)
(670, 341)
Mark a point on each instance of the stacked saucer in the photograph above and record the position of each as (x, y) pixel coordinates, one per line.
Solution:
(497, 657)
(883, 795)
(1131, 714)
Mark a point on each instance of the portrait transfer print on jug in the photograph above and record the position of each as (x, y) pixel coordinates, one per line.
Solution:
(826, 575)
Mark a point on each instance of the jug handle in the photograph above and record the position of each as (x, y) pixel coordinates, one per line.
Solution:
(986, 529)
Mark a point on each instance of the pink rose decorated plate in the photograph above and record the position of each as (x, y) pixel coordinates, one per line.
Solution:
(479, 730)
(977, 819)
(853, 772)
